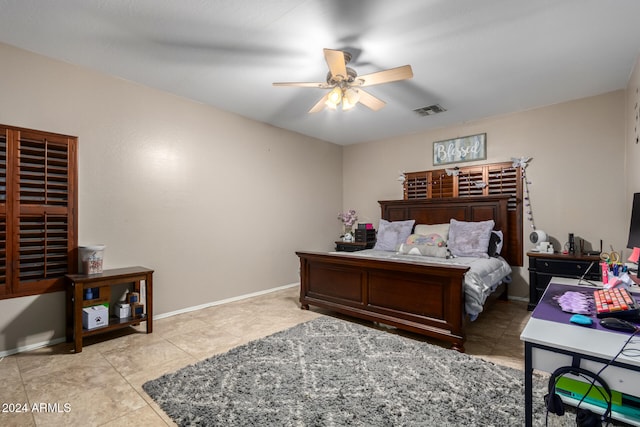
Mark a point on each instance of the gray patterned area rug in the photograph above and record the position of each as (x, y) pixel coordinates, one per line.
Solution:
(330, 372)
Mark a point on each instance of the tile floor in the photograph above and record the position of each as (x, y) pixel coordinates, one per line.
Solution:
(103, 384)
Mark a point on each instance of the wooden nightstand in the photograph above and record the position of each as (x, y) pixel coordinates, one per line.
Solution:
(352, 246)
(542, 267)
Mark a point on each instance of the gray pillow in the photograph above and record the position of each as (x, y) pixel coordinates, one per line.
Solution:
(391, 234)
(470, 239)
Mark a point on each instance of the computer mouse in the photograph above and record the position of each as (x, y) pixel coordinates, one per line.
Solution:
(617, 324)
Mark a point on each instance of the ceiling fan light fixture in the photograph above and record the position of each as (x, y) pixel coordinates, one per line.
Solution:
(342, 79)
(352, 95)
(350, 98)
(330, 105)
(346, 105)
(335, 96)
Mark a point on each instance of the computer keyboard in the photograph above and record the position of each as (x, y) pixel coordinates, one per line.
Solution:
(615, 302)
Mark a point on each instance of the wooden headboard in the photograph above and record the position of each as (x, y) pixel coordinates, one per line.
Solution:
(438, 211)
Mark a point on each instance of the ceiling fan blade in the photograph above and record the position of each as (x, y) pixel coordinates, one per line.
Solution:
(370, 101)
(336, 63)
(303, 84)
(319, 105)
(385, 76)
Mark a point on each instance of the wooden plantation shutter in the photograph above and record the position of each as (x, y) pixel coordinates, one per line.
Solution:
(41, 206)
(478, 180)
(3, 214)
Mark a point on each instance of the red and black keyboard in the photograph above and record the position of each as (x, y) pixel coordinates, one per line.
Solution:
(616, 302)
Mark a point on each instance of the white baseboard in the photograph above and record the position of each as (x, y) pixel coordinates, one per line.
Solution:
(31, 347)
(175, 313)
(55, 341)
(224, 301)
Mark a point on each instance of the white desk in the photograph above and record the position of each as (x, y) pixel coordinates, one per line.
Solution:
(550, 345)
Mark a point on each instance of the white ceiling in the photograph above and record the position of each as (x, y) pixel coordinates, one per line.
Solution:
(476, 58)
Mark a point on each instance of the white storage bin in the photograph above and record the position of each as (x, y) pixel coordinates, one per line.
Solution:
(95, 317)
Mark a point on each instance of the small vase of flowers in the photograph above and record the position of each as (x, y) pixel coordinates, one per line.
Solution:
(348, 219)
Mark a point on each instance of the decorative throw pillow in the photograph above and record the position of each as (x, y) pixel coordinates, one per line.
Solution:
(391, 234)
(428, 240)
(470, 239)
(426, 229)
(425, 250)
(495, 243)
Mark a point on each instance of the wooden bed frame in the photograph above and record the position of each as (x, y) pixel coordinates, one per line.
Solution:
(426, 299)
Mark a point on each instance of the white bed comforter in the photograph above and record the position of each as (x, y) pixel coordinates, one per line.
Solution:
(480, 281)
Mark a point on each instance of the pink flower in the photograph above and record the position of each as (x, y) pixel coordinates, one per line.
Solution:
(348, 218)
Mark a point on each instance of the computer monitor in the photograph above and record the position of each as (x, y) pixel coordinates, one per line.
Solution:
(634, 229)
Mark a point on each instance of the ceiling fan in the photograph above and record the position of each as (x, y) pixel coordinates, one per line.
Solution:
(346, 86)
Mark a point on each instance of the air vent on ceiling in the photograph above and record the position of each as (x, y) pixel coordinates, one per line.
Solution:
(430, 110)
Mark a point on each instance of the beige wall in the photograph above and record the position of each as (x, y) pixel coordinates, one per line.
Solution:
(632, 147)
(215, 203)
(160, 175)
(577, 168)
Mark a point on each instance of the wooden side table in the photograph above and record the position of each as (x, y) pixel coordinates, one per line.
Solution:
(76, 285)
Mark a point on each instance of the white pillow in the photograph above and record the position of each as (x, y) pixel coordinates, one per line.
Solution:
(391, 234)
(426, 229)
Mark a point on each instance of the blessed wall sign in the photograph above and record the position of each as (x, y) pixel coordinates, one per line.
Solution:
(458, 150)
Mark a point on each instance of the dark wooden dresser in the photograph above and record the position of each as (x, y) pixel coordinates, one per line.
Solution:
(542, 267)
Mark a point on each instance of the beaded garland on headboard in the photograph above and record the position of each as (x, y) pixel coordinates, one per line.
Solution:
(477, 180)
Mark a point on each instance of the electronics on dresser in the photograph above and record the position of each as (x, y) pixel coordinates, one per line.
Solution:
(615, 302)
(538, 236)
(593, 253)
(572, 244)
(545, 248)
(541, 239)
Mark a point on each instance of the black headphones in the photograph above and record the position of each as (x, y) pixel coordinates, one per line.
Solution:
(584, 417)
